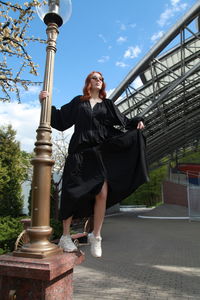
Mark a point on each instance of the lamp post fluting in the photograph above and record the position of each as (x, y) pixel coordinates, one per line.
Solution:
(39, 232)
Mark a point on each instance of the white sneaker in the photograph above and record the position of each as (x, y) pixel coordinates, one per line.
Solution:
(67, 244)
(95, 242)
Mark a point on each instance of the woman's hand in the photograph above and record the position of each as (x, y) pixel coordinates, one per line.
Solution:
(140, 125)
(43, 95)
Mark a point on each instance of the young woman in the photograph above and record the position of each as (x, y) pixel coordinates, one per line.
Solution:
(104, 164)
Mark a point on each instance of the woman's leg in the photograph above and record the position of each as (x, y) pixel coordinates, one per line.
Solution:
(99, 213)
(65, 241)
(66, 226)
(99, 209)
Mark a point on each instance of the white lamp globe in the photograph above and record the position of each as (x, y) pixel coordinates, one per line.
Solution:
(54, 11)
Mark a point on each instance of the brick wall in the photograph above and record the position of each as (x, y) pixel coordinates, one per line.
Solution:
(174, 193)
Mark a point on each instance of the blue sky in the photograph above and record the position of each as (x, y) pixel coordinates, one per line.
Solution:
(110, 36)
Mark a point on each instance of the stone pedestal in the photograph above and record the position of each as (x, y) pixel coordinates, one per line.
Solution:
(38, 279)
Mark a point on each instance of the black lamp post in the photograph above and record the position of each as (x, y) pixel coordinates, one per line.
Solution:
(54, 13)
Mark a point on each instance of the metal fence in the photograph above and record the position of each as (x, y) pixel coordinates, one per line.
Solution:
(193, 196)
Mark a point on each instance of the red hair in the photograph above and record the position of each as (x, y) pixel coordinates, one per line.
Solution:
(87, 88)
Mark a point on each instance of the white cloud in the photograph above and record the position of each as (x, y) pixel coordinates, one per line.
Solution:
(132, 25)
(170, 11)
(165, 16)
(33, 90)
(121, 64)
(132, 52)
(157, 36)
(122, 27)
(104, 59)
(102, 38)
(174, 2)
(121, 39)
(24, 118)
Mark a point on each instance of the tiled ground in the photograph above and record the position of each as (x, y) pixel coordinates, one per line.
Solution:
(142, 259)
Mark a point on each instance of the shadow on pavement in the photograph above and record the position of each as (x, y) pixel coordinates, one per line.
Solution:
(142, 259)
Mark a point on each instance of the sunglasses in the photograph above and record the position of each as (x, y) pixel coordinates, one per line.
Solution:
(97, 78)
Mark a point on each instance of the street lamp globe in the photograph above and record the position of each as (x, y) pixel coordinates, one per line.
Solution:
(54, 11)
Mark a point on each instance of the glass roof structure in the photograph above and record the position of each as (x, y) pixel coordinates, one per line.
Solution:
(164, 88)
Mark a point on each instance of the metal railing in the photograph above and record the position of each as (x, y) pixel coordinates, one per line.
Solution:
(169, 96)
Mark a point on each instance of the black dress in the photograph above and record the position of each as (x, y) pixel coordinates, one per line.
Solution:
(98, 152)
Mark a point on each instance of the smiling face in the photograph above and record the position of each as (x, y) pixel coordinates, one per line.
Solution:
(96, 81)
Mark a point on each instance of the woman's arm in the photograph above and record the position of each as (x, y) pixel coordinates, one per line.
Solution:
(118, 118)
(63, 118)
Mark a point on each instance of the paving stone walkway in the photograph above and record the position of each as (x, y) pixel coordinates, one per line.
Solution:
(142, 259)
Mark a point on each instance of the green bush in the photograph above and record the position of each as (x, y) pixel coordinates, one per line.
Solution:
(10, 228)
(149, 194)
(57, 229)
(13, 172)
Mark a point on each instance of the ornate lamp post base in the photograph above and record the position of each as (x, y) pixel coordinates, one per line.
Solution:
(31, 254)
(40, 247)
